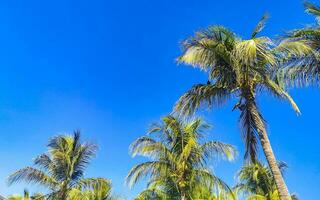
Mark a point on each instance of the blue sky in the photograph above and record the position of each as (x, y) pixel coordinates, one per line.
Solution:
(108, 68)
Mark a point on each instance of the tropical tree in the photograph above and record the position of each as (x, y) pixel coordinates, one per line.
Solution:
(305, 71)
(60, 169)
(177, 168)
(240, 68)
(257, 183)
(27, 196)
(93, 189)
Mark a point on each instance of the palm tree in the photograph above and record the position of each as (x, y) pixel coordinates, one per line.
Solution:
(27, 196)
(93, 189)
(240, 68)
(257, 182)
(60, 169)
(178, 160)
(306, 71)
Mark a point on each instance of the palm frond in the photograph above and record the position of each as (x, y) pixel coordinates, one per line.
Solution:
(279, 92)
(210, 47)
(213, 180)
(44, 161)
(32, 175)
(144, 169)
(249, 130)
(312, 9)
(201, 94)
(255, 51)
(81, 157)
(148, 147)
(218, 149)
(293, 48)
(261, 24)
(180, 163)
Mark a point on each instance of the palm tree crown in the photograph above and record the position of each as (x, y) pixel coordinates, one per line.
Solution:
(240, 68)
(93, 189)
(27, 196)
(61, 168)
(178, 166)
(236, 68)
(305, 71)
(256, 182)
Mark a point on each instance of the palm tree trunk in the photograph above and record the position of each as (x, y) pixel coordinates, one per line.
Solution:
(64, 196)
(267, 149)
(183, 196)
(63, 192)
(281, 185)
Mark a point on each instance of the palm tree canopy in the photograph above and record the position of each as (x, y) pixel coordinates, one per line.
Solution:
(93, 189)
(27, 196)
(178, 159)
(61, 168)
(256, 181)
(236, 68)
(306, 71)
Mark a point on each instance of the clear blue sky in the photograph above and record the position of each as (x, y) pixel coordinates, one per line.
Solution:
(108, 68)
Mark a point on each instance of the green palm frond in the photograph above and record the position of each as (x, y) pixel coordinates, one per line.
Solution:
(261, 24)
(255, 52)
(250, 122)
(142, 170)
(256, 181)
(61, 169)
(305, 70)
(215, 148)
(256, 197)
(32, 175)
(179, 160)
(154, 194)
(292, 48)
(312, 9)
(27, 196)
(210, 179)
(210, 47)
(280, 93)
(93, 189)
(239, 69)
(43, 161)
(145, 146)
(201, 95)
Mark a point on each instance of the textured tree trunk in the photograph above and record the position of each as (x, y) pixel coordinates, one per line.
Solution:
(63, 192)
(267, 149)
(64, 196)
(183, 196)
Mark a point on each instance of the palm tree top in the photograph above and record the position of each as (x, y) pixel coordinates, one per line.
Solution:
(178, 158)
(255, 181)
(305, 71)
(62, 167)
(238, 69)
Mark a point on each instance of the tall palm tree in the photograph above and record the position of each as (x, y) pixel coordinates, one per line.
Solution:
(257, 182)
(307, 70)
(60, 169)
(178, 160)
(240, 68)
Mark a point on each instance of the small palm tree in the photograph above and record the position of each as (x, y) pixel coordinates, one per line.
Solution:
(93, 189)
(27, 196)
(257, 183)
(240, 68)
(60, 169)
(178, 160)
